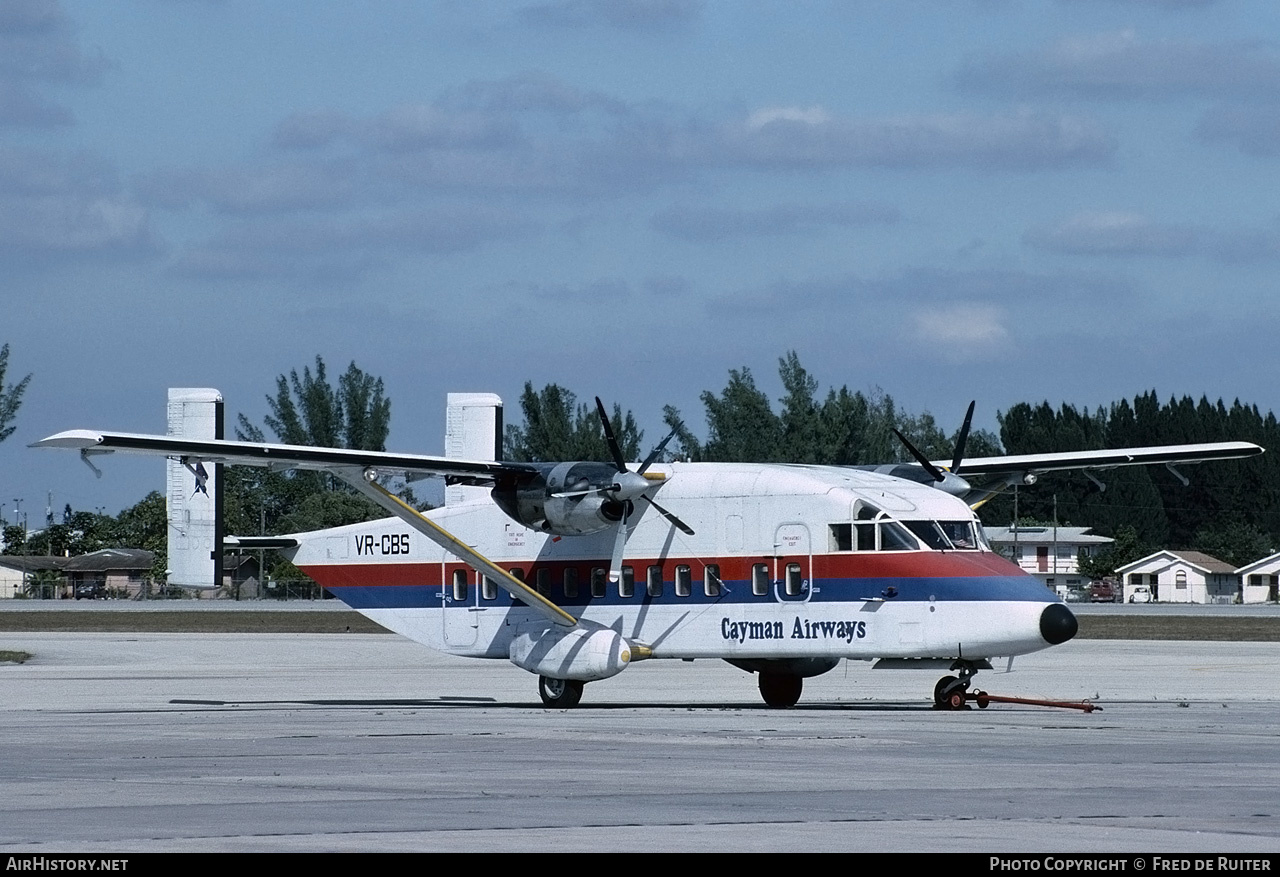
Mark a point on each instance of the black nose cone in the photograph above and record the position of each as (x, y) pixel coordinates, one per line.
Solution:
(1057, 624)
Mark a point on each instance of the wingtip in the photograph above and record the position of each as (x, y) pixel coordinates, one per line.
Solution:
(76, 439)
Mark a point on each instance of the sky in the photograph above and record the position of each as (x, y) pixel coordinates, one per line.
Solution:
(1068, 200)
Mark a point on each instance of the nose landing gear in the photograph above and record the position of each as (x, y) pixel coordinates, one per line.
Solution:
(952, 693)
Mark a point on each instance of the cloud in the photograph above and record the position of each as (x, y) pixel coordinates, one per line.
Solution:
(624, 15)
(67, 205)
(342, 248)
(808, 115)
(1114, 234)
(1021, 140)
(530, 91)
(22, 108)
(274, 188)
(709, 224)
(962, 332)
(1121, 65)
(39, 227)
(1255, 130)
(1132, 234)
(38, 49)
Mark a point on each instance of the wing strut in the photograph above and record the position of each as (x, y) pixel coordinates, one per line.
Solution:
(365, 481)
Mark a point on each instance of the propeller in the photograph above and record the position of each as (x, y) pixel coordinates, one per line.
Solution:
(632, 486)
(949, 480)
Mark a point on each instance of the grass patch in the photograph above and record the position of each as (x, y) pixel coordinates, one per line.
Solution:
(9, 657)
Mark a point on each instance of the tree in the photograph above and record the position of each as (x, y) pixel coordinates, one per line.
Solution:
(557, 428)
(10, 396)
(1126, 548)
(307, 409)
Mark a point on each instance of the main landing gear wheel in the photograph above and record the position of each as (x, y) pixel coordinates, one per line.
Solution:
(781, 690)
(560, 694)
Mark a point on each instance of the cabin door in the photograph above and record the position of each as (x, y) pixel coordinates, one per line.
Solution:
(792, 564)
(460, 598)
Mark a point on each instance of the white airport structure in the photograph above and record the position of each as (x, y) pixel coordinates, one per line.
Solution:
(1051, 554)
(1260, 580)
(1181, 577)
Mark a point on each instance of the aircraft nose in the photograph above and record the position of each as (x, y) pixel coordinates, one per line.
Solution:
(1057, 624)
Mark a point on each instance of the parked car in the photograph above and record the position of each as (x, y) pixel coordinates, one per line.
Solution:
(1102, 592)
(1140, 594)
(91, 591)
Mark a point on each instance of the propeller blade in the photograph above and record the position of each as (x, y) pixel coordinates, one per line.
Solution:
(619, 543)
(962, 439)
(920, 458)
(679, 524)
(657, 452)
(609, 437)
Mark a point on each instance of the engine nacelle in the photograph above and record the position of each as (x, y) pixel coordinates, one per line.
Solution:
(566, 499)
(560, 653)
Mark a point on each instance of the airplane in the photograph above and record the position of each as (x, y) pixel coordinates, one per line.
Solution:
(573, 570)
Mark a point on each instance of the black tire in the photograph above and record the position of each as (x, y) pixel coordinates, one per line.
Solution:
(781, 690)
(939, 692)
(560, 694)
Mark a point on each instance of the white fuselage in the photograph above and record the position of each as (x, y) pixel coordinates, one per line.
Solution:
(787, 561)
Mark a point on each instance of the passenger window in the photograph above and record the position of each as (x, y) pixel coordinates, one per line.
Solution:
(684, 581)
(711, 580)
(760, 579)
(544, 581)
(654, 582)
(627, 584)
(571, 581)
(460, 585)
(488, 589)
(598, 579)
(795, 584)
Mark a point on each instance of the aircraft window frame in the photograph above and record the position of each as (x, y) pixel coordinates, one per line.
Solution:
(627, 582)
(599, 582)
(544, 581)
(760, 579)
(460, 586)
(711, 581)
(684, 580)
(488, 588)
(569, 581)
(517, 572)
(653, 580)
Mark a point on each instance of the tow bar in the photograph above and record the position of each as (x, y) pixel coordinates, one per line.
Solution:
(984, 699)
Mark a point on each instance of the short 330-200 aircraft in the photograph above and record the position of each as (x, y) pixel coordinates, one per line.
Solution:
(574, 570)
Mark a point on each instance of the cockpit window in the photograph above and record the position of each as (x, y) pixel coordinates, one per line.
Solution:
(961, 534)
(930, 534)
(894, 537)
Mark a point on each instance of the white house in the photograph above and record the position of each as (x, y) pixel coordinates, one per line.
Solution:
(1182, 577)
(1051, 554)
(1260, 580)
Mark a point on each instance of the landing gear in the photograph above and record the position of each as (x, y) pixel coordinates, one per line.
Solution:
(952, 692)
(560, 694)
(780, 690)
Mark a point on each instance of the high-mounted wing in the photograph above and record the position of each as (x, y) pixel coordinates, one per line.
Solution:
(1003, 472)
(93, 443)
(1035, 464)
(360, 469)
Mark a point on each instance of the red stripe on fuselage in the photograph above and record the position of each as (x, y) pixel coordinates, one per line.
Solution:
(896, 564)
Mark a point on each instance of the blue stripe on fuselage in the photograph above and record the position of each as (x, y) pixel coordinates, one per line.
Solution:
(941, 588)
